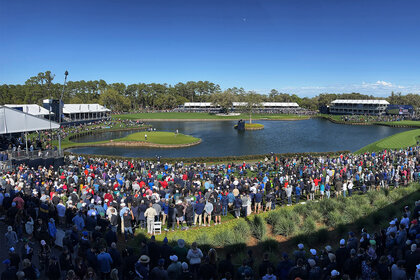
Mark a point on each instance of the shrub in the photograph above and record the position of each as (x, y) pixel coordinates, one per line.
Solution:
(258, 227)
(303, 209)
(204, 239)
(272, 217)
(351, 213)
(333, 218)
(321, 236)
(327, 205)
(270, 244)
(241, 231)
(308, 226)
(224, 238)
(373, 196)
(381, 202)
(284, 226)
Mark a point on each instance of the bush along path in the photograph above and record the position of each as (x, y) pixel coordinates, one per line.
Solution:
(313, 223)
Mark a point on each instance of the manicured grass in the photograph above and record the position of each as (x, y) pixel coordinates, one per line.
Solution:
(252, 126)
(396, 141)
(160, 137)
(339, 119)
(205, 116)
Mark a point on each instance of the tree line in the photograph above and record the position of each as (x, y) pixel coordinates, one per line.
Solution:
(121, 97)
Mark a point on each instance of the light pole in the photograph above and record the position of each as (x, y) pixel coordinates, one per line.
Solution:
(60, 111)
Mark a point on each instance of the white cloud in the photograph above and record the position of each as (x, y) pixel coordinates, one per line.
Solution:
(379, 88)
(383, 83)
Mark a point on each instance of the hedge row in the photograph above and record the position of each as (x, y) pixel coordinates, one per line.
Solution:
(311, 222)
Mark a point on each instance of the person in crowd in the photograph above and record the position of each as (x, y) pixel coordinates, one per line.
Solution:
(92, 200)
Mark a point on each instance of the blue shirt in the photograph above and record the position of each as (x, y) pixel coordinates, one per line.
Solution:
(258, 197)
(104, 262)
(199, 208)
(79, 222)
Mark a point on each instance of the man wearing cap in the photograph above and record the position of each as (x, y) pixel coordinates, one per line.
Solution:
(398, 271)
(412, 258)
(198, 210)
(392, 228)
(150, 215)
(159, 272)
(208, 209)
(10, 272)
(104, 261)
(175, 268)
(417, 274)
(14, 257)
(11, 237)
(341, 254)
(180, 250)
(300, 253)
(142, 267)
(352, 242)
(335, 274)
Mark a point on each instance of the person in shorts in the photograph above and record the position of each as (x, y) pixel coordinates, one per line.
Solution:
(208, 209)
(217, 211)
(180, 210)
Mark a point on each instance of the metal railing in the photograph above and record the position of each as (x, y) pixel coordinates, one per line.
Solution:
(6, 165)
(23, 154)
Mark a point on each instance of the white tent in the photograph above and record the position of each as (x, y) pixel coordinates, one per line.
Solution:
(15, 121)
(32, 109)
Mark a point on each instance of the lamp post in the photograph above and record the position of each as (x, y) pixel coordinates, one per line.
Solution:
(60, 111)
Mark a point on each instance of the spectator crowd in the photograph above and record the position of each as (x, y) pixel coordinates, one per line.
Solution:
(85, 204)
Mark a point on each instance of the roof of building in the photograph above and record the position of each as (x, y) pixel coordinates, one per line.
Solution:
(198, 104)
(270, 104)
(236, 104)
(31, 109)
(280, 104)
(83, 108)
(358, 101)
(15, 121)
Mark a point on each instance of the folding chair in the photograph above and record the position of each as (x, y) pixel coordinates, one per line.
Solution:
(157, 227)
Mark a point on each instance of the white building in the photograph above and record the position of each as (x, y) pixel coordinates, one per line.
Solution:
(358, 107)
(269, 106)
(236, 106)
(85, 112)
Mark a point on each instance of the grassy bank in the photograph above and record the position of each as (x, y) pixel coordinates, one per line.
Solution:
(400, 123)
(159, 137)
(205, 116)
(396, 141)
(313, 223)
(338, 119)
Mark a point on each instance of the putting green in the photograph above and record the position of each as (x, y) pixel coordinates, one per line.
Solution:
(159, 137)
(252, 126)
(396, 141)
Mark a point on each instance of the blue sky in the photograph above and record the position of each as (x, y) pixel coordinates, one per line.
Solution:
(298, 46)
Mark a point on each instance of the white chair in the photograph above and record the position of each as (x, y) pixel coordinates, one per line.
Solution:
(157, 227)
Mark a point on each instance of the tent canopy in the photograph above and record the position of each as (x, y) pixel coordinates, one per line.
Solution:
(15, 121)
(32, 109)
(84, 108)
